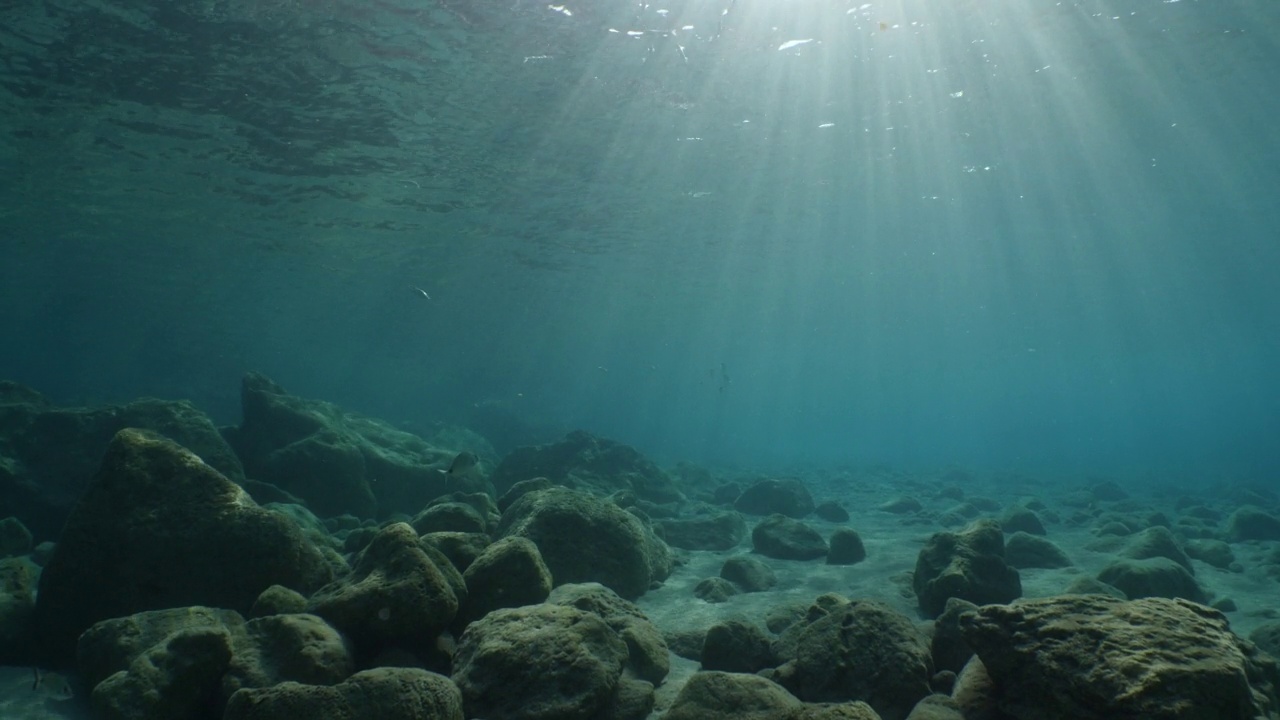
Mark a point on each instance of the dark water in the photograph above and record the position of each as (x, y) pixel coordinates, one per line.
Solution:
(1016, 235)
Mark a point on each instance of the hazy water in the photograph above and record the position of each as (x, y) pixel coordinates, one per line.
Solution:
(1028, 235)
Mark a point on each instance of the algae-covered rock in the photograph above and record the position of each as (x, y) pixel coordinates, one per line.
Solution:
(397, 595)
(156, 528)
(388, 693)
(1092, 656)
(584, 538)
(969, 565)
(540, 662)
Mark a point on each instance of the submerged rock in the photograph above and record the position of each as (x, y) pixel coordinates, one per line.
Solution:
(387, 693)
(969, 565)
(340, 462)
(48, 454)
(157, 528)
(584, 538)
(583, 461)
(1091, 657)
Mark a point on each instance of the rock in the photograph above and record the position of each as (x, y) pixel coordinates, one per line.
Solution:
(1091, 656)
(386, 693)
(856, 650)
(509, 573)
(937, 707)
(717, 695)
(831, 511)
(1024, 551)
(449, 517)
(1153, 577)
(749, 573)
(157, 527)
(15, 538)
(462, 549)
(834, 711)
(846, 548)
(947, 645)
(339, 462)
(177, 678)
(1157, 542)
(785, 496)
(278, 600)
(736, 645)
(1211, 551)
(1267, 637)
(969, 565)
(1021, 519)
(585, 462)
(288, 648)
(782, 538)
(714, 590)
(1107, 491)
(646, 650)
(717, 530)
(48, 454)
(17, 610)
(111, 646)
(397, 595)
(1251, 523)
(540, 662)
(901, 506)
(583, 538)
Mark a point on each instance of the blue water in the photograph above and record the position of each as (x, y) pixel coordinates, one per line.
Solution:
(1008, 236)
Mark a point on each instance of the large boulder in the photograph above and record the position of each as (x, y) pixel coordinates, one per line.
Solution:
(969, 565)
(583, 461)
(584, 538)
(401, 593)
(157, 527)
(340, 462)
(48, 454)
(1091, 657)
(857, 650)
(784, 496)
(539, 662)
(265, 651)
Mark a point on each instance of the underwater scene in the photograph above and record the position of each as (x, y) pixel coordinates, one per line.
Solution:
(639, 360)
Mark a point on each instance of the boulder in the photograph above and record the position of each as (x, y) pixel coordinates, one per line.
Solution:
(646, 650)
(585, 462)
(846, 548)
(969, 565)
(509, 573)
(1092, 657)
(385, 693)
(396, 596)
(177, 678)
(749, 573)
(157, 527)
(1023, 550)
(1152, 577)
(539, 662)
(783, 496)
(856, 650)
(584, 538)
(716, 530)
(341, 462)
(49, 454)
(735, 645)
(783, 538)
(715, 695)
(1252, 523)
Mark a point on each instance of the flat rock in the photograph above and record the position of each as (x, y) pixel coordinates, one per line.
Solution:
(1092, 657)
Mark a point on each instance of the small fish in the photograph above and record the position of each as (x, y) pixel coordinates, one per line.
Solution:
(50, 683)
(422, 292)
(462, 463)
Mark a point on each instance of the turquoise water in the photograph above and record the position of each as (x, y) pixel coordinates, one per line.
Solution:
(1034, 236)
